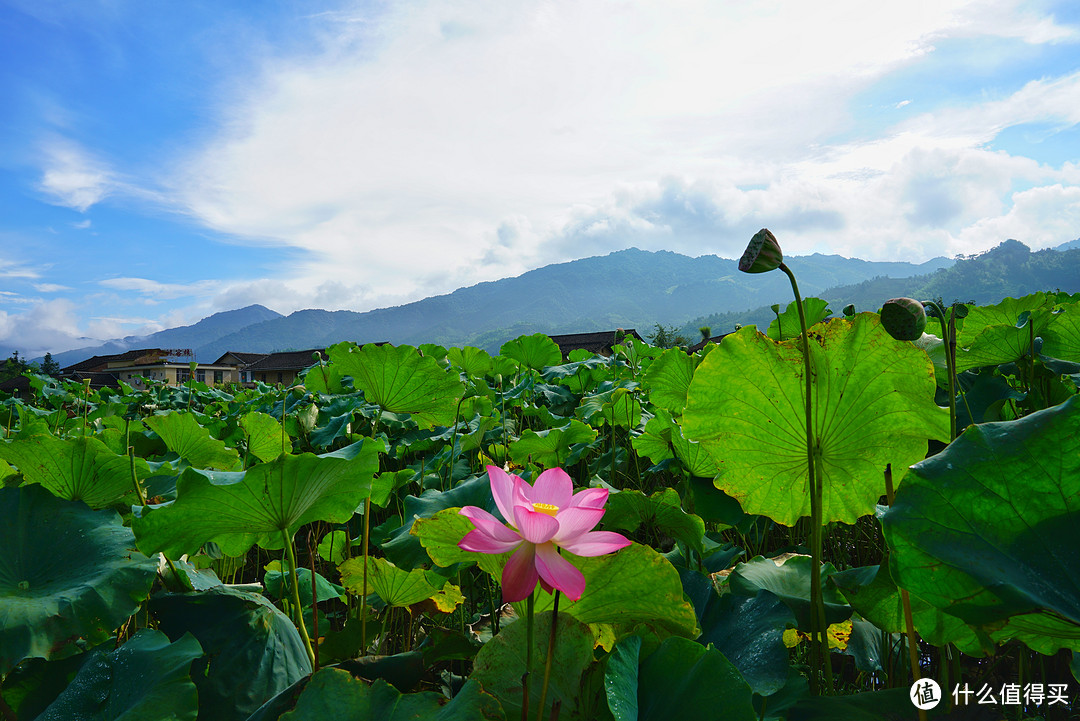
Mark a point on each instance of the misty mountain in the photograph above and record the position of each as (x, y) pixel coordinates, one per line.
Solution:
(192, 336)
(627, 288)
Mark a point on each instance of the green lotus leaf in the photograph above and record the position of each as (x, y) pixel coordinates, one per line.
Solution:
(146, 679)
(661, 512)
(685, 680)
(668, 379)
(266, 439)
(787, 326)
(1061, 339)
(1007, 312)
(473, 362)
(278, 584)
(252, 651)
(790, 582)
(749, 631)
(237, 510)
(654, 442)
(987, 530)
(68, 575)
(621, 679)
(333, 693)
(500, 664)
(615, 407)
(393, 585)
(80, 469)
(872, 593)
(184, 436)
(996, 344)
(873, 406)
(535, 351)
(400, 380)
(550, 448)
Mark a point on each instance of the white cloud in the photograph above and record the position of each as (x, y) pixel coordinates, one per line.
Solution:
(72, 177)
(445, 143)
(50, 287)
(156, 290)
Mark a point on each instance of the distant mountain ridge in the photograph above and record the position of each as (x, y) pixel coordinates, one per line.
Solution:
(628, 288)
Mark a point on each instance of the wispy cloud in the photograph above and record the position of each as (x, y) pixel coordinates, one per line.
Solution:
(71, 177)
(159, 290)
(50, 287)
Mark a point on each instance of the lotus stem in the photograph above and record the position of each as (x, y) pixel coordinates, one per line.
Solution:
(817, 610)
(530, 606)
(550, 656)
(905, 600)
(294, 582)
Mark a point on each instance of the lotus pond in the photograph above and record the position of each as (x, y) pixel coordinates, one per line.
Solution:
(300, 553)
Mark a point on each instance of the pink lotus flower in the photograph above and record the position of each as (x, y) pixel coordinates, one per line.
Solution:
(543, 517)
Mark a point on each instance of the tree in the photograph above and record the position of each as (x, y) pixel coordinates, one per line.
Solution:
(13, 367)
(664, 337)
(49, 366)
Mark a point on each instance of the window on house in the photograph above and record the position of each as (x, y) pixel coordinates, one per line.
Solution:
(218, 376)
(200, 375)
(280, 377)
(182, 375)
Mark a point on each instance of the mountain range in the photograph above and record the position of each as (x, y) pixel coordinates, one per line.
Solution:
(628, 288)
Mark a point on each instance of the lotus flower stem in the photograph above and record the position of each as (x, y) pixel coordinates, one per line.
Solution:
(948, 336)
(294, 582)
(547, 663)
(530, 606)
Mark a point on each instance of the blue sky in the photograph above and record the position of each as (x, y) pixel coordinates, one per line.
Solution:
(160, 162)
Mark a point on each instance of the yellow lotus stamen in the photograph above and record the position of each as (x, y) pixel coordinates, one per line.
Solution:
(545, 508)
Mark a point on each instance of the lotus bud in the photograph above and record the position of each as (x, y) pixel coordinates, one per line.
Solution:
(316, 356)
(849, 310)
(762, 254)
(903, 318)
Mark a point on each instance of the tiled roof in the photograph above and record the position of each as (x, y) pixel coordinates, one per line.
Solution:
(97, 380)
(701, 344)
(100, 361)
(599, 342)
(246, 358)
(293, 360)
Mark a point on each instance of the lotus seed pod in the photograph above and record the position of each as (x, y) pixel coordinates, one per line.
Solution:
(193, 365)
(762, 254)
(903, 318)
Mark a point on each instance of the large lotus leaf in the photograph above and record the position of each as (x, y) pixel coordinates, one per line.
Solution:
(333, 693)
(400, 380)
(67, 574)
(787, 326)
(661, 512)
(872, 593)
(1061, 339)
(1007, 312)
(872, 405)
(146, 679)
(633, 584)
(184, 436)
(789, 580)
(252, 650)
(266, 439)
(236, 510)
(501, 662)
(393, 585)
(685, 680)
(551, 447)
(749, 631)
(668, 379)
(473, 362)
(663, 437)
(535, 351)
(988, 528)
(81, 469)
